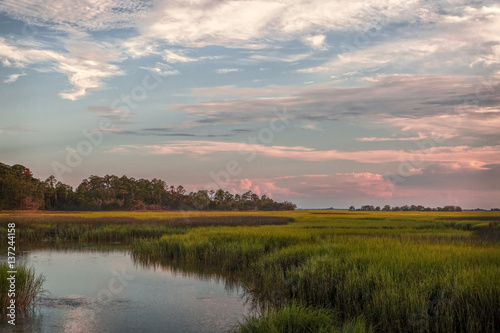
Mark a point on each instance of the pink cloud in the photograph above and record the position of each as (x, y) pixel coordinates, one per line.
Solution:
(369, 184)
(267, 186)
(457, 122)
(374, 139)
(245, 184)
(256, 190)
(473, 157)
(237, 91)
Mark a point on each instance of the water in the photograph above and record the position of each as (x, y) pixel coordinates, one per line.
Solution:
(104, 291)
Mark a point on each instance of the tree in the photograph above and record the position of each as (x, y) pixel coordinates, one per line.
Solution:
(20, 190)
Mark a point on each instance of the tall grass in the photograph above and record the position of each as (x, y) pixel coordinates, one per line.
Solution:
(28, 287)
(68, 228)
(302, 319)
(399, 278)
(326, 272)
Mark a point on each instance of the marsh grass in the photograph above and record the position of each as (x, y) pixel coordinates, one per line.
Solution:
(365, 271)
(28, 288)
(413, 275)
(34, 228)
(302, 319)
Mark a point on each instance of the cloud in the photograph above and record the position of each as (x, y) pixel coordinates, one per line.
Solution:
(85, 62)
(315, 188)
(162, 69)
(458, 41)
(138, 46)
(13, 56)
(276, 57)
(472, 157)
(234, 91)
(316, 41)
(245, 184)
(13, 78)
(453, 176)
(261, 186)
(464, 124)
(84, 14)
(172, 57)
(256, 24)
(453, 36)
(376, 139)
(429, 186)
(116, 116)
(228, 70)
(112, 130)
(396, 101)
(250, 24)
(16, 129)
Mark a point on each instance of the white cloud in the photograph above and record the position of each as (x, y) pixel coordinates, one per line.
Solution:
(466, 37)
(257, 24)
(86, 63)
(250, 24)
(172, 57)
(278, 58)
(228, 70)
(13, 78)
(138, 47)
(82, 14)
(455, 43)
(162, 69)
(316, 41)
(12, 55)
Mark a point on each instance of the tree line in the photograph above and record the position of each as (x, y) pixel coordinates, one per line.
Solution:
(20, 190)
(407, 208)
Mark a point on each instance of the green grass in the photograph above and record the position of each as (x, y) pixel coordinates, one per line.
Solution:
(117, 227)
(28, 288)
(327, 271)
(412, 273)
(302, 319)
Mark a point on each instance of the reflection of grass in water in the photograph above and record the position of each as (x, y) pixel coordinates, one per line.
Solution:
(414, 272)
(28, 287)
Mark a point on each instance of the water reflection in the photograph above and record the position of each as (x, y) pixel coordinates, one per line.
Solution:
(233, 281)
(90, 290)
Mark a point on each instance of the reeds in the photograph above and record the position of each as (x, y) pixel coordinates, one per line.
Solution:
(28, 287)
(391, 271)
(107, 229)
(302, 319)
(400, 279)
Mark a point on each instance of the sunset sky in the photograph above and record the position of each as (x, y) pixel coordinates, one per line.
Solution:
(322, 103)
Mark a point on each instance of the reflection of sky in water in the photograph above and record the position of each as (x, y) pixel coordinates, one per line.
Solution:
(105, 292)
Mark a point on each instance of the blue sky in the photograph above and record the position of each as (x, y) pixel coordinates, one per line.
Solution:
(323, 103)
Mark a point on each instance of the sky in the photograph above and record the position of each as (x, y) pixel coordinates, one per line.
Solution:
(322, 103)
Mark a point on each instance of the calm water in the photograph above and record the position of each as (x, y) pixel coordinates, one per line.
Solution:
(97, 291)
